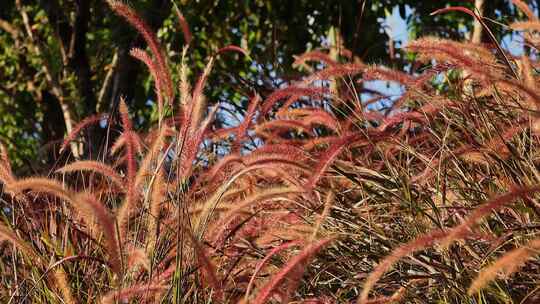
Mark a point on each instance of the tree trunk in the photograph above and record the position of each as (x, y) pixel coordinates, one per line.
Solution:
(53, 123)
(476, 38)
(478, 30)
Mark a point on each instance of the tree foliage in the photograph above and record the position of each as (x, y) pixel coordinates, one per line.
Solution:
(61, 61)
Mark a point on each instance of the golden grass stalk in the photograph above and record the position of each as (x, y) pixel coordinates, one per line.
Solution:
(191, 139)
(159, 192)
(479, 213)
(263, 262)
(300, 259)
(129, 205)
(348, 69)
(83, 203)
(314, 56)
(525, 9)
(163, 71)
(530, 92)
(507, 265)
(241, 131)
(198, 104)
(5, 176)
(184, 86)
(120, 143)
(124, 115)
(42, 185)
(97, 167)
(257, 197)
(528, 73)
(209, 205)
(476, 60)
(95, 211)
(320, 220)
(374, 72)
(184, 26)
(4, 158)
(397, 297)
(150, 159)
(151, 65)
(88, 121)
(137, 257)
(271, 100)
(325, 161)
(63, 286)
(526, 26)
(314, 116)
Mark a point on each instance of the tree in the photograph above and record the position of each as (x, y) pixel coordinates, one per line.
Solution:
(61, 60)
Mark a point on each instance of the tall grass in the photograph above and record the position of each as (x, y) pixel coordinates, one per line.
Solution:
(426, 200)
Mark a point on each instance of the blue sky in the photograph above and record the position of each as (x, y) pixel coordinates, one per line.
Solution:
(396, 28)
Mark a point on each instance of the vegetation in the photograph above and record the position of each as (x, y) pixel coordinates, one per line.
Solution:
(64, 60)
(314, 196)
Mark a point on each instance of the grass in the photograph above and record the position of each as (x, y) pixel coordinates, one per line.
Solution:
(430, 200)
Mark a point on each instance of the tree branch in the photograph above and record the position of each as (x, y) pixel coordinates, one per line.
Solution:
(9, 28)
(56, 89)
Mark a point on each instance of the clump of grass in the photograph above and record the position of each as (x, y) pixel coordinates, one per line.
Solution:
(149, 213)
(433, 186)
